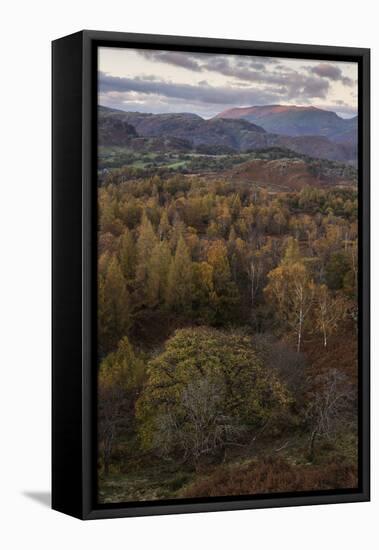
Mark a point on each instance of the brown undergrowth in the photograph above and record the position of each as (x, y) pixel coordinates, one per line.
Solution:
(272, 475)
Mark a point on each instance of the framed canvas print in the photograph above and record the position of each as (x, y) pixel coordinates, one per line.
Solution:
(210, 275)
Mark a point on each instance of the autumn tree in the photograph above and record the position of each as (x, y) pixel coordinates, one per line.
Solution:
(336, 270)
(225, 295)
(290, 290)
(179, 284)
(329, 312)
(203, 291)
(330, 242)
(178, 230)
(109, 220)
(223, 218)
(127, 254)
(329, 406)
(145, 244)
(157, 274)
(164, 227)
(257, 262)
(130, 212)
(114, 310)
(146, 241)
(204, 391)
(351, 278)
(119, 380)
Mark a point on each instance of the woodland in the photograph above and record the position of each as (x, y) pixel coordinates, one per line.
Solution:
(227, 324)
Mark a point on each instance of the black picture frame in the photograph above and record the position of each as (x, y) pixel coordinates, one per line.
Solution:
(74, 132)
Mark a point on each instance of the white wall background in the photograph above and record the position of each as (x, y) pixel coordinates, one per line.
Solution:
(26, 31)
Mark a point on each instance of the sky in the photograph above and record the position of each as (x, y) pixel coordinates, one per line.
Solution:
(159, 81)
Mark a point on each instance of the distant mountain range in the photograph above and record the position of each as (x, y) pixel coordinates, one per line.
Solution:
(292, 120)
(231, 132)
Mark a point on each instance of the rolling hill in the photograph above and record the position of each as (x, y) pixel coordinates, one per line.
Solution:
(220, 134)
(292, 174)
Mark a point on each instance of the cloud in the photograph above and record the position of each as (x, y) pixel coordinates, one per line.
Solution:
(220, 95)
(264, 87)
(173, 58)
(201, 61)
(332, 72)
(127, 101)
(204, 61)
(340, 107)
(229, 65)
(208, 83)
(262, 71)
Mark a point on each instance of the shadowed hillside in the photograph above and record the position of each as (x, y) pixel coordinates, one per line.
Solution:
(224, 134)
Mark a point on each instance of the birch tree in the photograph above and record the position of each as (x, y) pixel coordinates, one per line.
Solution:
(291, 290)
(329, 312)
(329, 406)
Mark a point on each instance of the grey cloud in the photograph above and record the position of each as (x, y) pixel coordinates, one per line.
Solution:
(326, 70)
(150, 94)
(137, 95)
(250, 69)
(341, 108)
(221, 95)
(202, 61)
(231, 64)
(329, 71)
(173, 58)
